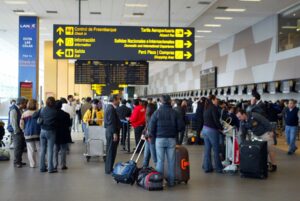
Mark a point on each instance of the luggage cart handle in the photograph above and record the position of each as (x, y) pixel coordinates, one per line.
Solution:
(137, 149)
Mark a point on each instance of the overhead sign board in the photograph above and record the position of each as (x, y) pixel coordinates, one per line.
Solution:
(120, 43)
(112, 72)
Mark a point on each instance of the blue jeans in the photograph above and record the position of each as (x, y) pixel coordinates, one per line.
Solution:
(211, 141)
(166, 146)
(148, 153)
(47, 139)
(290, 134)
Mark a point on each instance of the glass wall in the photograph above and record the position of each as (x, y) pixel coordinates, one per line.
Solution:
(289, 29)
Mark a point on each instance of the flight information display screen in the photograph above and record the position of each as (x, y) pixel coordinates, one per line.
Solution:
(112, 72)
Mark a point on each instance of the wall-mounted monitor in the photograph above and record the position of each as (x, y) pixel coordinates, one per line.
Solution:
(208, 78)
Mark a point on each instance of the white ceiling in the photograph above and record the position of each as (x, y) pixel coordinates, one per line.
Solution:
(114, 12)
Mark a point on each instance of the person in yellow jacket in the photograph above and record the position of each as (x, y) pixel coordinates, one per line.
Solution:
(95, 115)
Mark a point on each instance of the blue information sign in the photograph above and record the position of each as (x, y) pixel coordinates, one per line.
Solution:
(28, 52)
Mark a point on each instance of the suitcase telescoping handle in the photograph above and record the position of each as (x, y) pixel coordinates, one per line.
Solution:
(137, 159)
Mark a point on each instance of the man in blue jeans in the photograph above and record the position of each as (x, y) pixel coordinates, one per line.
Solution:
(165, 124)
(291, 126)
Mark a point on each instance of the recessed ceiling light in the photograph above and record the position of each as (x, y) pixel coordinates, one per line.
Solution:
(251, 0)
(95, 13)
(212, 25)
(138, 14)
(222, 7)
(223, 18)
(52, 11)
(294, 14)
(26, 13)
(136, 5)
(204, 2)
(16, 2)
(204, 31)
(128, 15)
(235, 10)
(18, 11)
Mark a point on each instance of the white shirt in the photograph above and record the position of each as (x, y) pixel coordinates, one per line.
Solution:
(195, 105)
(70, 109)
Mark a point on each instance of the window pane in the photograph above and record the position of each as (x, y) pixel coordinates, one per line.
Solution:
(289, 29)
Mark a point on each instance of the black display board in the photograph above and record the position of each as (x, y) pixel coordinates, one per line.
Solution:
(123, 43)
(208, 78)
(109, 72)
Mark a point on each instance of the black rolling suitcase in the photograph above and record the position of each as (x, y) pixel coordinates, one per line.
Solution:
(254, 159)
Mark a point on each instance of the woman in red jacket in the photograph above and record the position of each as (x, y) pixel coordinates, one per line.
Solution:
(138, 121)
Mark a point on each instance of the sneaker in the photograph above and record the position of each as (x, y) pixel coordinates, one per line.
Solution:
(45, 170)
(289, 153)
(64, 168)
(53, 171)
(295, 149)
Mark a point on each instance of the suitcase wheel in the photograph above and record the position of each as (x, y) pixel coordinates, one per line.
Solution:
(88, 158)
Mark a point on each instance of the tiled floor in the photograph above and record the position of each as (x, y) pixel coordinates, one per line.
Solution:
(87, 182)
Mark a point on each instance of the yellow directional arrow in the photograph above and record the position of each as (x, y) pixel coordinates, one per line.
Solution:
(60, 30)
(188, 33)
(188, 55)
(59, 53)
(188, 44)
(60, 41)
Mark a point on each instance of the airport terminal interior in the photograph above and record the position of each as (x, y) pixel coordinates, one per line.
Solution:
(82, 82)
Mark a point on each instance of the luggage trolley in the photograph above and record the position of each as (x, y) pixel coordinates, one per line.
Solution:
(95, 142)
(232, 159)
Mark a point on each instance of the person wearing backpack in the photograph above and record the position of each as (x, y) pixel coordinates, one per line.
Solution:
(14, 118)
(31, 130)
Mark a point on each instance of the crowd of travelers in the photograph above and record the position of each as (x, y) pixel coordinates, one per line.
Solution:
(161, 123)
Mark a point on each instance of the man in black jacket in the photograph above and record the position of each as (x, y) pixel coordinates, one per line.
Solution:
(165, 124)
(112, 125)
(124, 112)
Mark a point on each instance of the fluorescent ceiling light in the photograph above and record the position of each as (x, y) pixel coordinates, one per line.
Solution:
(251, 0)
(289, 27)
(212, 25)
(199, 36)
(26, 13)
(235, 10)
(204, 31)
(136, 5)
(16, 2)
(223, 18)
